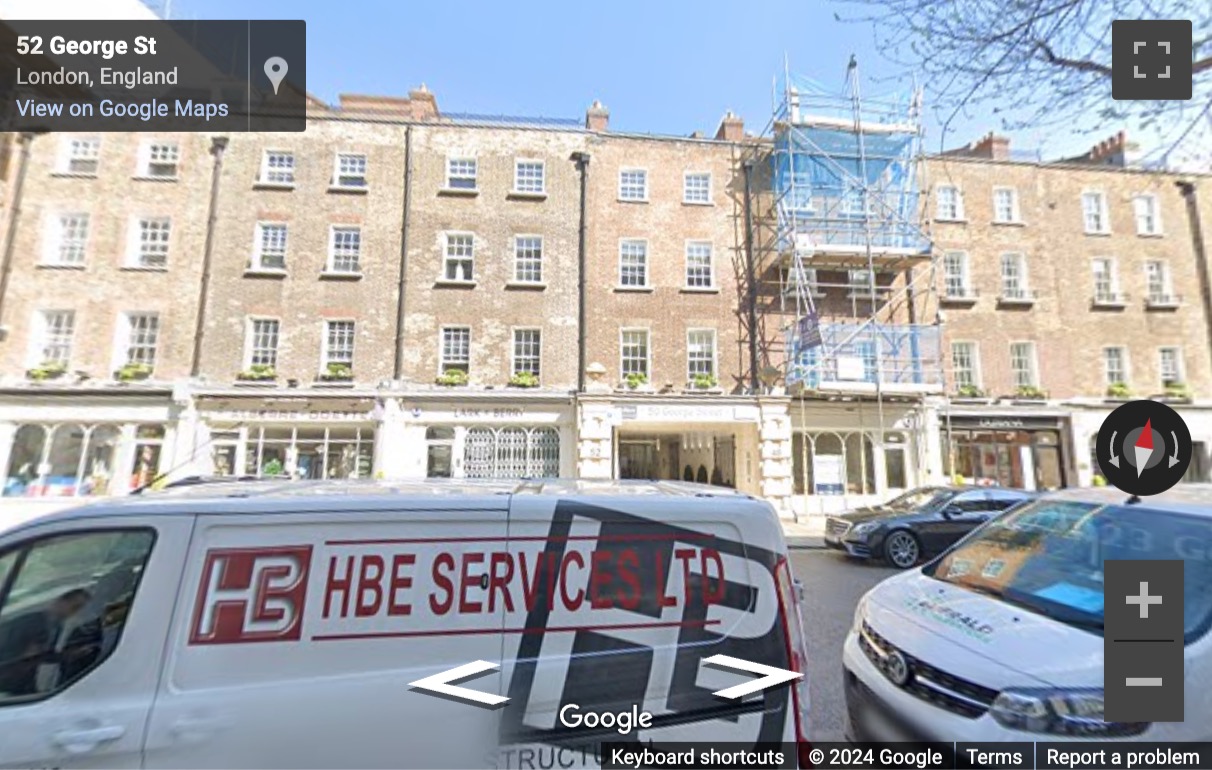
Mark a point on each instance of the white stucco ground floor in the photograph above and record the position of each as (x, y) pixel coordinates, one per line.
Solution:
(809, 456)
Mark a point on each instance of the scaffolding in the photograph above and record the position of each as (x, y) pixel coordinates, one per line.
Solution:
(845, 269)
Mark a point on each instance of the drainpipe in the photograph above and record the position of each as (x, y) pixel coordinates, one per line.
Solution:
(217, 146)
(10, 235)
(397, 370)
(582, 161)
(1201, 252)
(751, 279)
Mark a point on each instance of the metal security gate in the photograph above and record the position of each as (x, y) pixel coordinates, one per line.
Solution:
(511, 452)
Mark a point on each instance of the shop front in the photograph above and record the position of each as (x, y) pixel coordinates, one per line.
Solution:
(301, 437)
(59, 445)
(477, 435)
(852, 452)
(1021, 450)
(1088, 417)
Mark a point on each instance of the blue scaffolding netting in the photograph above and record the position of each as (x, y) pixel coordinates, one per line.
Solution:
(900, 354)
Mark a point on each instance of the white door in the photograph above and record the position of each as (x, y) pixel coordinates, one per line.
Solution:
(84, 606)
(297, 636)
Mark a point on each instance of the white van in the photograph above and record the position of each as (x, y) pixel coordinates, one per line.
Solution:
(1000, 638)
(279, 624)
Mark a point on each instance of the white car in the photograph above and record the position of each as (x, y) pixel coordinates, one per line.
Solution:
(1001, 638)
(288, 624)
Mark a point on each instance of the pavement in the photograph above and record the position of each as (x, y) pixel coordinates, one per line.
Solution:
(833, 584)
(808, 532)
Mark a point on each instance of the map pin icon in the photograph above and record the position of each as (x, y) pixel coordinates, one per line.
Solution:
(275, 70)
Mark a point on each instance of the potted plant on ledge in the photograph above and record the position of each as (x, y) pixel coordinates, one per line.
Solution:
(635, 380)
(261, 373)
(703, 382)
(1030, 393)
(133, 372)
(47, 370)
(337, 371)
(1119, 391)
(452, 377)
(1177, 391)
(524, 380)
(970, 391)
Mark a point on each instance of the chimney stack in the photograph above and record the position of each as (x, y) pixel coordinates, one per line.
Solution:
(424, 103)
(992, 146)
(1115, 151)
(597, 117)
(732, 128)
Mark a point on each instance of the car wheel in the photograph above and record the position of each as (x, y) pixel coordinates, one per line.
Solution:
(901, 549)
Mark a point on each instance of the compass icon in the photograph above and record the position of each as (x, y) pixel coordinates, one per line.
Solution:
(1144, 448)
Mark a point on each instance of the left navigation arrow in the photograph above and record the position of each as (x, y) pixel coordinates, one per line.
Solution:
(440, 683)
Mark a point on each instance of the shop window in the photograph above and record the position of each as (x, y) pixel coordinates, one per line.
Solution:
(24, 460)
(99, 459)
(63, 461)
(149, 440)
(301, 453)
(65, 608)
(511, 452)
(829, 463)
(860, 464)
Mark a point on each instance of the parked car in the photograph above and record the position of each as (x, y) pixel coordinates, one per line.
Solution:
(1002, 637)
(920, 523)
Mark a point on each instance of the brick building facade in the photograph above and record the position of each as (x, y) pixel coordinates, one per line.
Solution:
(403, 293)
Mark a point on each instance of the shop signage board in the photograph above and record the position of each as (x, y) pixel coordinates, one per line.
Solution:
(828, 474)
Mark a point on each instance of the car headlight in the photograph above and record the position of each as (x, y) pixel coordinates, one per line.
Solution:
(860, 614)
(864, 529)
(1076, 712)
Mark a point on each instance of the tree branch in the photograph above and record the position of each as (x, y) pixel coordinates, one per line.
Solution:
(1083, 65)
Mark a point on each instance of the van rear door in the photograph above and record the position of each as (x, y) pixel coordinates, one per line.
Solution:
(84, 604)
(615, 602)
(298, 633)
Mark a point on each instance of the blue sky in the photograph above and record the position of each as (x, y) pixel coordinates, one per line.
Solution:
(659, 66)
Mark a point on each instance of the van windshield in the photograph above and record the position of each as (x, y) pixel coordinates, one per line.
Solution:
(1047, 557)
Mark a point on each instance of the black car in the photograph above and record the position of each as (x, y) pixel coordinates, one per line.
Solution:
(921, 522)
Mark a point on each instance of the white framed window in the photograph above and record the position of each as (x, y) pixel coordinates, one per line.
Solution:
(1106, 280)
(150, 238)
(1148, 215)
(1014, 276)
(1024, 367)
(459, 262)
(955, 274)
(1115, 364)
(700, 353)
(696, 187)
(53, 334)
(791, 284)
(1005, 205)
(455, 349)
(1170, 365)
(66, 240)
(633, 263)
(949, 203)
(528, 259)
(527, 351)
(1158, 287)
(965, 364)
(1094, 212)
(461, 173)
(278, 167)
(140, 338)
(338, 343)
(529, 176)
(344, 249)
(633, 184)
(269, 251)
(699, 273)
(349, 171)
(863, 283)
(81, 155)
(159, 160)
(633, 351)
(261, 342)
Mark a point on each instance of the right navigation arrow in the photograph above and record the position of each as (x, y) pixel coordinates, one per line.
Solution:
(770, 676)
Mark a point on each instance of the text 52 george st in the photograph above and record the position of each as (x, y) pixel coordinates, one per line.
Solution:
(107, 49)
